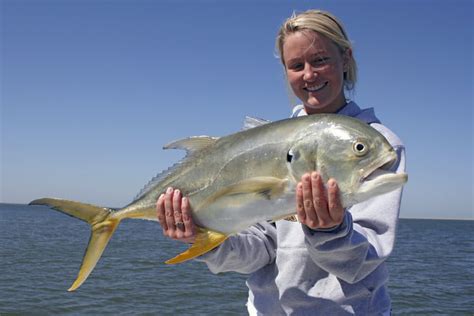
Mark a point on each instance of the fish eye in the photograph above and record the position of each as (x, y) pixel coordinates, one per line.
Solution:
(360, 148)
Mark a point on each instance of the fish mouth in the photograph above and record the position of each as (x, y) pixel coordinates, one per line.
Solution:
(379, 175)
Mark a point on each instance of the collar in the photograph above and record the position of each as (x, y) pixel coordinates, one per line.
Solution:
(349, 109)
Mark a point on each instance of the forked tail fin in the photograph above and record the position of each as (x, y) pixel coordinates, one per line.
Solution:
(102, 228)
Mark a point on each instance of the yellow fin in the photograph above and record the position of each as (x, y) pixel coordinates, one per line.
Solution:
(291, 218)
(206, 240)
(86, 212)
(99, 239)
(102, 225)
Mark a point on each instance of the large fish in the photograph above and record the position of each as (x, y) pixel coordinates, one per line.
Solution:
(239, 180)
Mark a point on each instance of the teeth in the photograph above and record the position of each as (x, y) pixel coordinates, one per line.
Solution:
(316, 88)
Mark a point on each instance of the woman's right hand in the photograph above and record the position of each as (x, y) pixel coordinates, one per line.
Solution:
(174, 215)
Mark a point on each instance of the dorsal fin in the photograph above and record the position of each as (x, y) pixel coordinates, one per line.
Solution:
(251, 122)
(157, 179)
(192, 144)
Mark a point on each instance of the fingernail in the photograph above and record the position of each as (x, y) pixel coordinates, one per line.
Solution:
(161, 197)
(315, 175)
(169, 190)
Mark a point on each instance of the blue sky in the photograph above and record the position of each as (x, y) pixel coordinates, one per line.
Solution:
(92, 90)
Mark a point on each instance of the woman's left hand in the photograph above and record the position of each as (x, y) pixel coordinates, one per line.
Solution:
(316, 207)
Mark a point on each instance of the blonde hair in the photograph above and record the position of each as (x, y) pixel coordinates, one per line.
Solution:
(325, 24)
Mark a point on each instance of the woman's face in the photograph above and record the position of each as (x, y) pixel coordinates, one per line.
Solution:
(315, 69)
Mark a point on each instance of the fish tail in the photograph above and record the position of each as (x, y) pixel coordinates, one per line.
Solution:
(102, 225)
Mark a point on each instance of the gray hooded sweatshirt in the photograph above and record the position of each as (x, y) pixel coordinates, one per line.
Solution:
(294, 270)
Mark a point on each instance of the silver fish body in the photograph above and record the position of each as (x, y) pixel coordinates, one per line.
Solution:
(283, 151)
(239, 180)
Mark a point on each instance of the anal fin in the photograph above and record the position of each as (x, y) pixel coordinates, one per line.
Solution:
(206, 240)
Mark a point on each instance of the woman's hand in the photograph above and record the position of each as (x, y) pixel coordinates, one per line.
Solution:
(315, 207)
(174, 215)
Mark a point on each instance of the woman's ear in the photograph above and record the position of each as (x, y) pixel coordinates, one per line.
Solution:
(346, 59)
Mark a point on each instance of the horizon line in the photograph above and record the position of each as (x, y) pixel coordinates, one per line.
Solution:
(401, 217)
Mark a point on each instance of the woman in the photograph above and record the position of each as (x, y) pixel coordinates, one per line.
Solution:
(330, 261)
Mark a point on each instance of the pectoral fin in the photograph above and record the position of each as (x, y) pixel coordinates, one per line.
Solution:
(206, 240)
(267, 187)
(246, 191)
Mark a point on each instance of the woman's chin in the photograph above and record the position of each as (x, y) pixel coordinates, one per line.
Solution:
(314, 107)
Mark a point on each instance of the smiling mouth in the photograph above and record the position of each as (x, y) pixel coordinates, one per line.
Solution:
(316, 88)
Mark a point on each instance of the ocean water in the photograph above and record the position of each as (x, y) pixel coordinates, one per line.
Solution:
(432, 270)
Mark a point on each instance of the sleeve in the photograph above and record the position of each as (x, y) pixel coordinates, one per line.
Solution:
(366, 237)
(245, 252)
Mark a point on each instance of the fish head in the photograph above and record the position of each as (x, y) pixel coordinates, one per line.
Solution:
(353, 153)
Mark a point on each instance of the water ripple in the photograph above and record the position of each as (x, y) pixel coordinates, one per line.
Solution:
(41, 251)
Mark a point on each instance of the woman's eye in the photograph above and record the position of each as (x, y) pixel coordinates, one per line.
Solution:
(296, 67)
(320, 61)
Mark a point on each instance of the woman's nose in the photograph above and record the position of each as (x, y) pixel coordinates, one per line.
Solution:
(309, 72)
